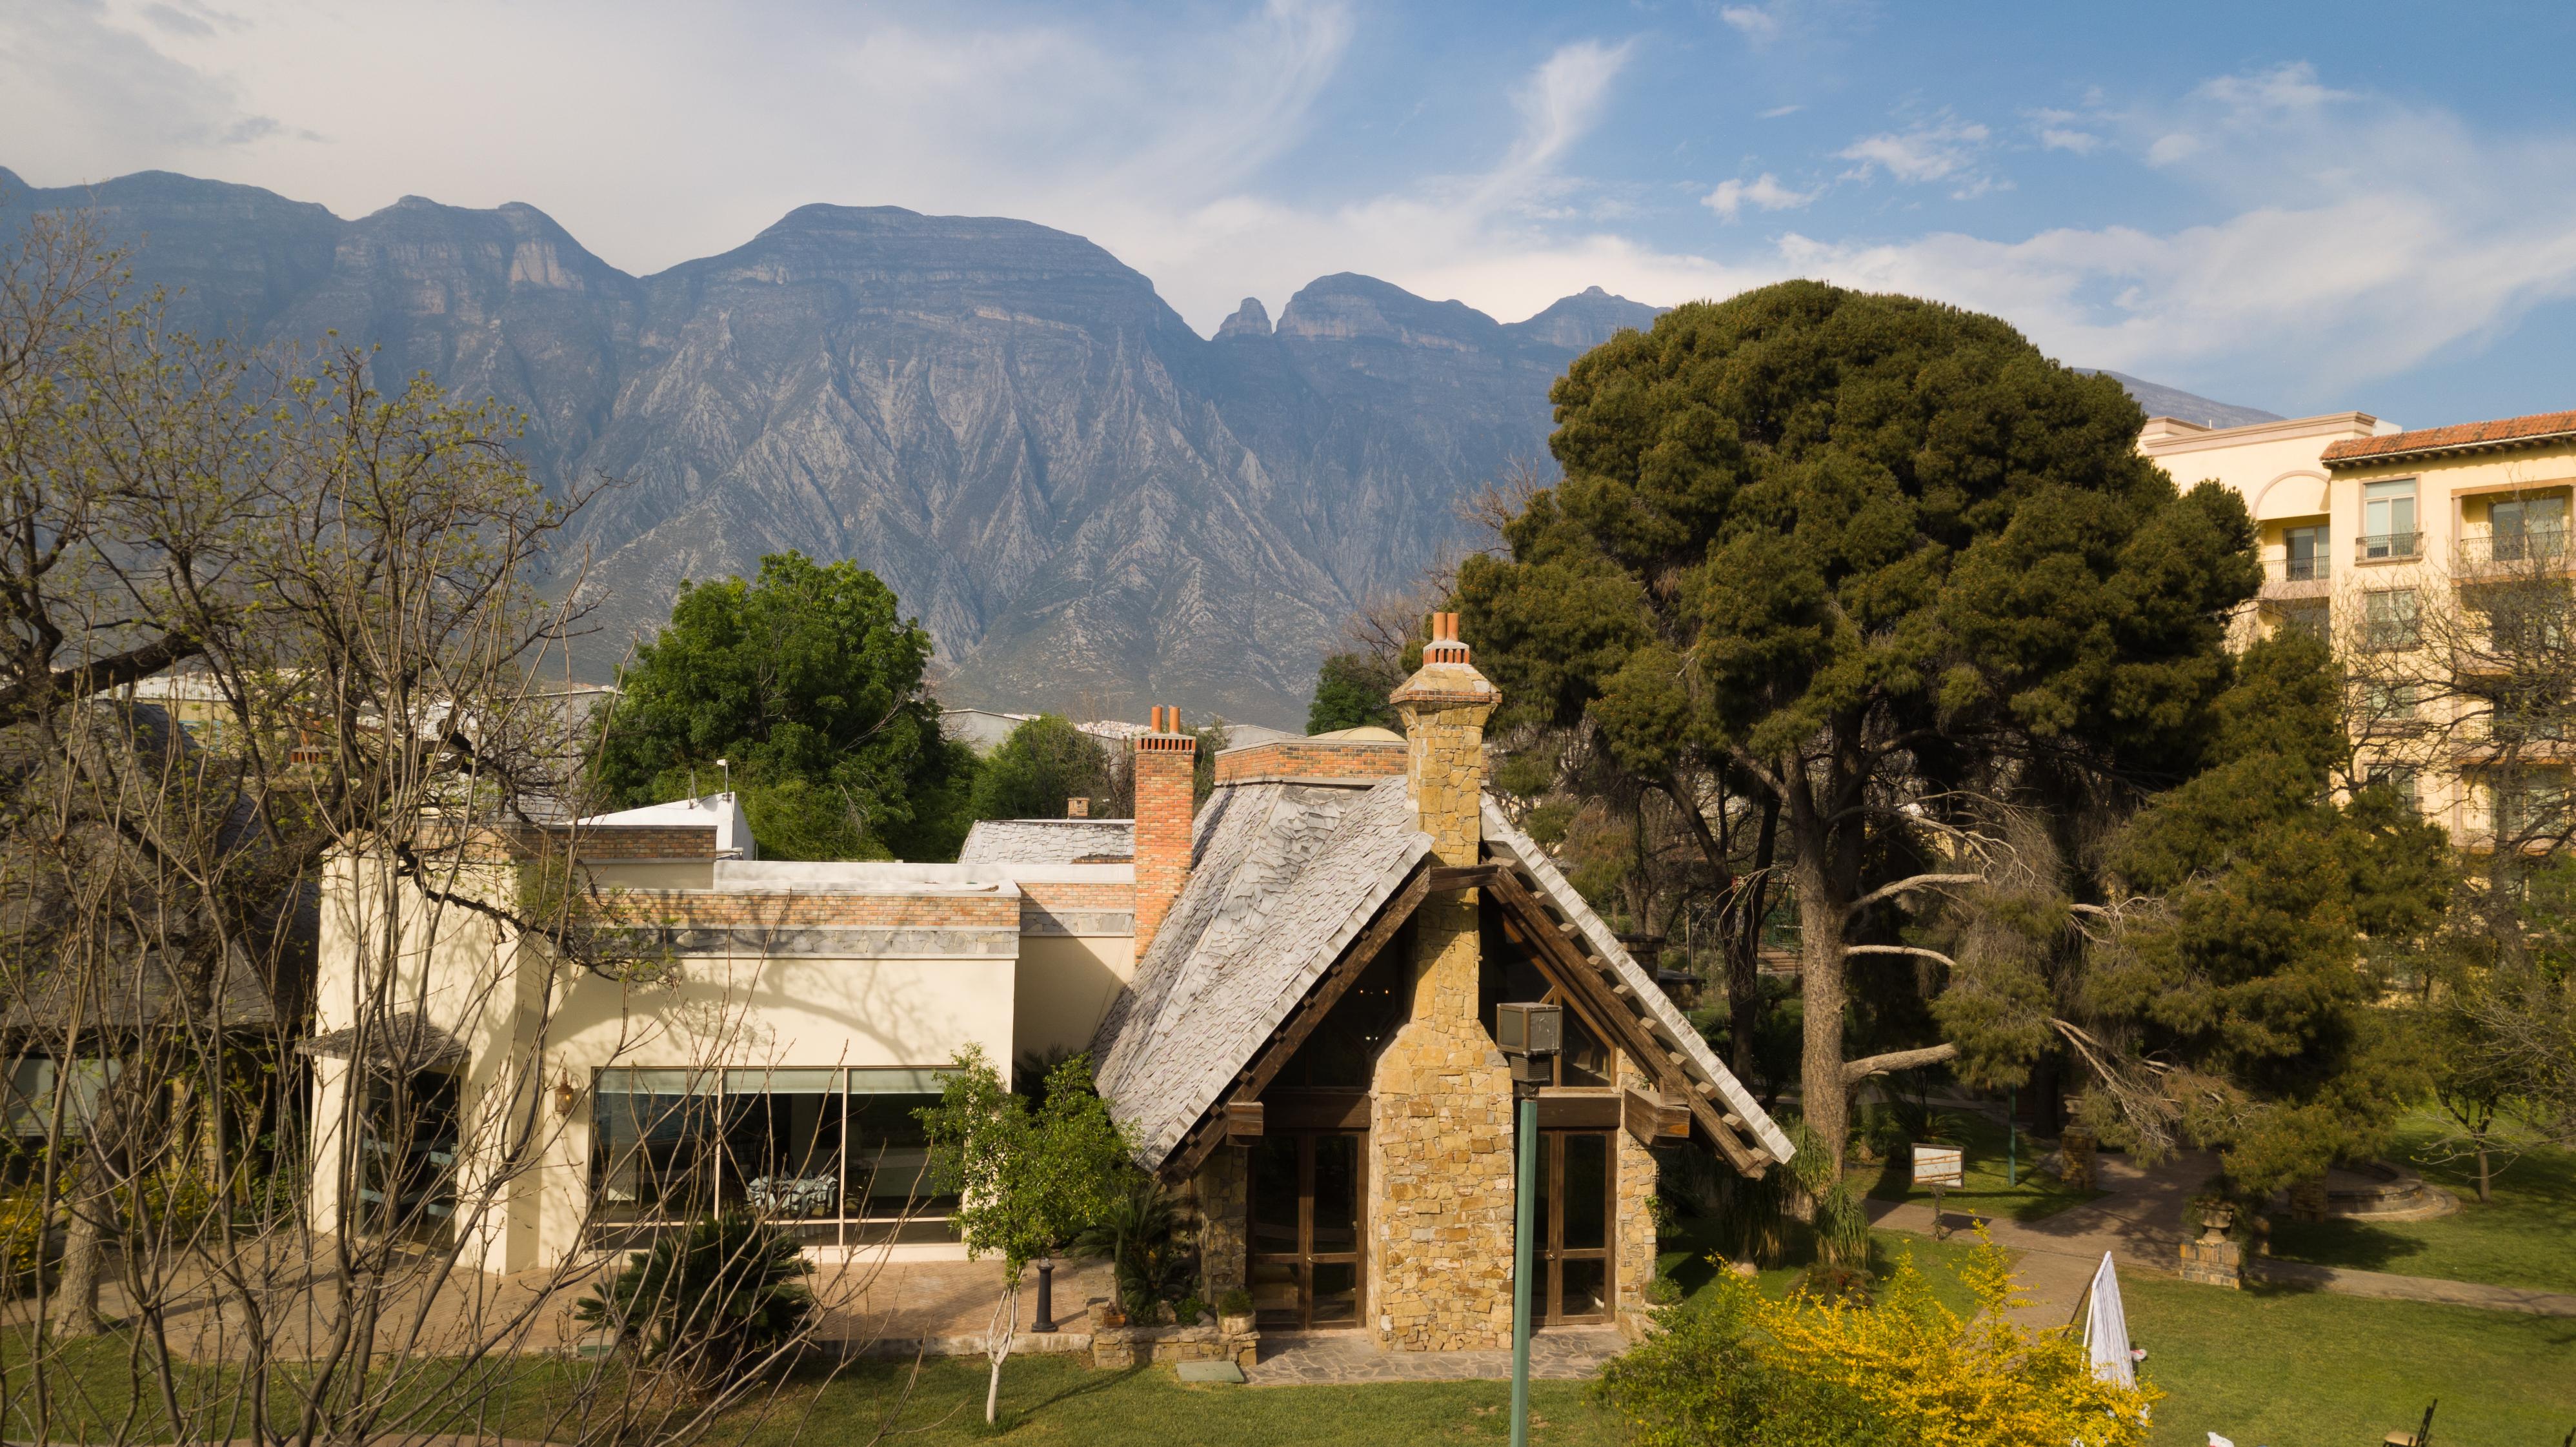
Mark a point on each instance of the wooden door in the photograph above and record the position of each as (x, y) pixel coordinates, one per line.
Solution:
(1576, 1226)
(1309, 1199)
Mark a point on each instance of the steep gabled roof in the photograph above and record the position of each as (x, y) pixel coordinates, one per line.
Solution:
(1283, 877)
(1503, 843)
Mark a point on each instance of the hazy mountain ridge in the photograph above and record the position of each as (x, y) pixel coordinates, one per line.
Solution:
(1085, 501)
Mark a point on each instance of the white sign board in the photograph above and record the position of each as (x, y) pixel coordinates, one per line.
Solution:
(1939, 1166)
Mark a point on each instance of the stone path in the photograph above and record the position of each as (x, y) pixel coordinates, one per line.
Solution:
(1335, 1358)
(2390, 1286)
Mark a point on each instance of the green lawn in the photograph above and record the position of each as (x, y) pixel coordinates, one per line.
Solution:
(2028, 1195)
(1049, 1400)
(2271, 1367)
(2525, 1237)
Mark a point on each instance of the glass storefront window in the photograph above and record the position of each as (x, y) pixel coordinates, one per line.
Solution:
(837, 1154)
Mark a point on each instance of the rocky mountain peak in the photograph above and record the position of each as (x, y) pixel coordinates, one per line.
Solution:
(1251, 319)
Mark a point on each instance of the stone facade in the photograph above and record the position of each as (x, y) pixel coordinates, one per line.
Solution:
(1632, 1255)
(1440, 1126)
(1224, 1210)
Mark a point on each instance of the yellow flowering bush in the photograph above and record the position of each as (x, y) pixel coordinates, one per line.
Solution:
(1744, 1370)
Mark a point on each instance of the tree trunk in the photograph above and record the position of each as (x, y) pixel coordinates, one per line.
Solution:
(997, 1345)
(1744, 950)
(2486, 1195)
(1820, 986)
(84, 1265)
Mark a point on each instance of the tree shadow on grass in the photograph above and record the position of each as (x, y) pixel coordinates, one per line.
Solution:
(1083, 1385)
(2355, 1244)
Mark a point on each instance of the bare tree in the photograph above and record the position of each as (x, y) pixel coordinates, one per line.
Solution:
(237, 903)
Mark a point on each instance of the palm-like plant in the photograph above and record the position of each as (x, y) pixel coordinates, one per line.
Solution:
(724, 1297)
(1136, 1233)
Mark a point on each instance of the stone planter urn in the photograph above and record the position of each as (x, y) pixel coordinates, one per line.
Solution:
(1234, 1325)
(2216, 1220)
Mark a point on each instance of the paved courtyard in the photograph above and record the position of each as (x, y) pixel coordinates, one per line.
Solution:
(1333, 1358)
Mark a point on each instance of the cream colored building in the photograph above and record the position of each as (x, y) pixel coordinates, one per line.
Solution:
(2368, 531)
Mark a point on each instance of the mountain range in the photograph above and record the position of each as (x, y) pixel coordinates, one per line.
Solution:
(1089, 505)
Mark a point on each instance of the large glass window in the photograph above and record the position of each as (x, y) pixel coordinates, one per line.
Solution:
(838, 1155)
(2529, 527)
(2391, 620)
(407, 1144)
(2388, 527)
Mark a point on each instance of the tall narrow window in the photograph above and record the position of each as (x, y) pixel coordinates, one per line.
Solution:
(2304, 554)
(2388, 520)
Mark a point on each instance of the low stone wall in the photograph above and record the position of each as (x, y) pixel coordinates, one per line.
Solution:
(1129, 1346)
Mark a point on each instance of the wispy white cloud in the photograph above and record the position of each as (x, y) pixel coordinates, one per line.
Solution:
(1946, 150)
(1757, 23)
(1776, 112)
(1764, 191)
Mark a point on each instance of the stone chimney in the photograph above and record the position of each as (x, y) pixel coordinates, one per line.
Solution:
(1077, 807)
(1440, 1130)
(1166, 764)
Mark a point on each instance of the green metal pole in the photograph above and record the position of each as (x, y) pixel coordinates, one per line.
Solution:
(1524, 1203)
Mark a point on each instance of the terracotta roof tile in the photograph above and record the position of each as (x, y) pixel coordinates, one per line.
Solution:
(2510, 431)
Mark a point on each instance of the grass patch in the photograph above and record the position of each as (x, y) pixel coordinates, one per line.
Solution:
(2290, 1368)
(1047, 1400)
(1999, 1182)
(2526, 1237)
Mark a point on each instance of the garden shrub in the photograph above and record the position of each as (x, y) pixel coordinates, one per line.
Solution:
(711, 1302)
(1744, 1370)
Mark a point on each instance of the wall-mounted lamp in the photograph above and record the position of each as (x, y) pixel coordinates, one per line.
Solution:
(1528, 1035)
(565, 1094)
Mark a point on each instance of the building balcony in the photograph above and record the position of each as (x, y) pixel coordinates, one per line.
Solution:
(2387, 547)
(2309, 577)
(2505, 556)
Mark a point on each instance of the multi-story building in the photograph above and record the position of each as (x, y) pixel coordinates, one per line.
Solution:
(2436, 563)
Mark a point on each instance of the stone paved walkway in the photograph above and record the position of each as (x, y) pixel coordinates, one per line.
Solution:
(1334, 1358)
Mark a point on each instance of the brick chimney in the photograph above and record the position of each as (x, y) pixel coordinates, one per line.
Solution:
(1166, 764)
(1440, 1136)
(1077, 807)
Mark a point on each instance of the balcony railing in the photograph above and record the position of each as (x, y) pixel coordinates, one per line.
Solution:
(2383, 547)
(2296, 577)
(2533, 550)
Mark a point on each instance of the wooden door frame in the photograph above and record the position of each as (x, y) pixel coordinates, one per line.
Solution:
(1305, 1257)
(1549, 1310)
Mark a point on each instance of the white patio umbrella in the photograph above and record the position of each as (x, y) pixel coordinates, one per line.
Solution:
(2106, 1329)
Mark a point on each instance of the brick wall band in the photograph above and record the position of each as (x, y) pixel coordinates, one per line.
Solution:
(1357, 760)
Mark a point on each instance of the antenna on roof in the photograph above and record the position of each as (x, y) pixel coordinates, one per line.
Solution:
(728, 774)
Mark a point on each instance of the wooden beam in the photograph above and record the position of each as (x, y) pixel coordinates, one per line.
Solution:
(1652, 1119)
(1243, 1120)
(1204, 1137)
(1466, 876)
(1577, 973)
(1592, 1110)
(1317, 1109)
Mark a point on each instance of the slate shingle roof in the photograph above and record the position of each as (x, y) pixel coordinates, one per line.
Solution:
(1283, 878)
(1048, 841)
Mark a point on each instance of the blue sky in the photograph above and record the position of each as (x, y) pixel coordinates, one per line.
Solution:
(2303, 208)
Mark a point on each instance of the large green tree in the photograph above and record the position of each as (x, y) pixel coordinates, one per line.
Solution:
(1039, 765)
(1351, 692)
(807, 683)
(2224, 994)
(1856, 555)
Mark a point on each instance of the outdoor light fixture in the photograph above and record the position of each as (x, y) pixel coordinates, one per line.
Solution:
(1528, 1035)
(564, 1093)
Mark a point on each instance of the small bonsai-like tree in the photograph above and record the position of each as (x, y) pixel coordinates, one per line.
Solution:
(1026, 1180)
(716, 1302)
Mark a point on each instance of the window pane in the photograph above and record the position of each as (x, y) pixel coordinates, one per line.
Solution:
(1587, 1187)
(652, 1154)
(1584, 1287)
(1337, 1194)
(889, 1160)
(1337, 1293)
(1274, 1193)
(782, 1082)
(1274, 1293)
(783, 1155)
(897, 1080)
